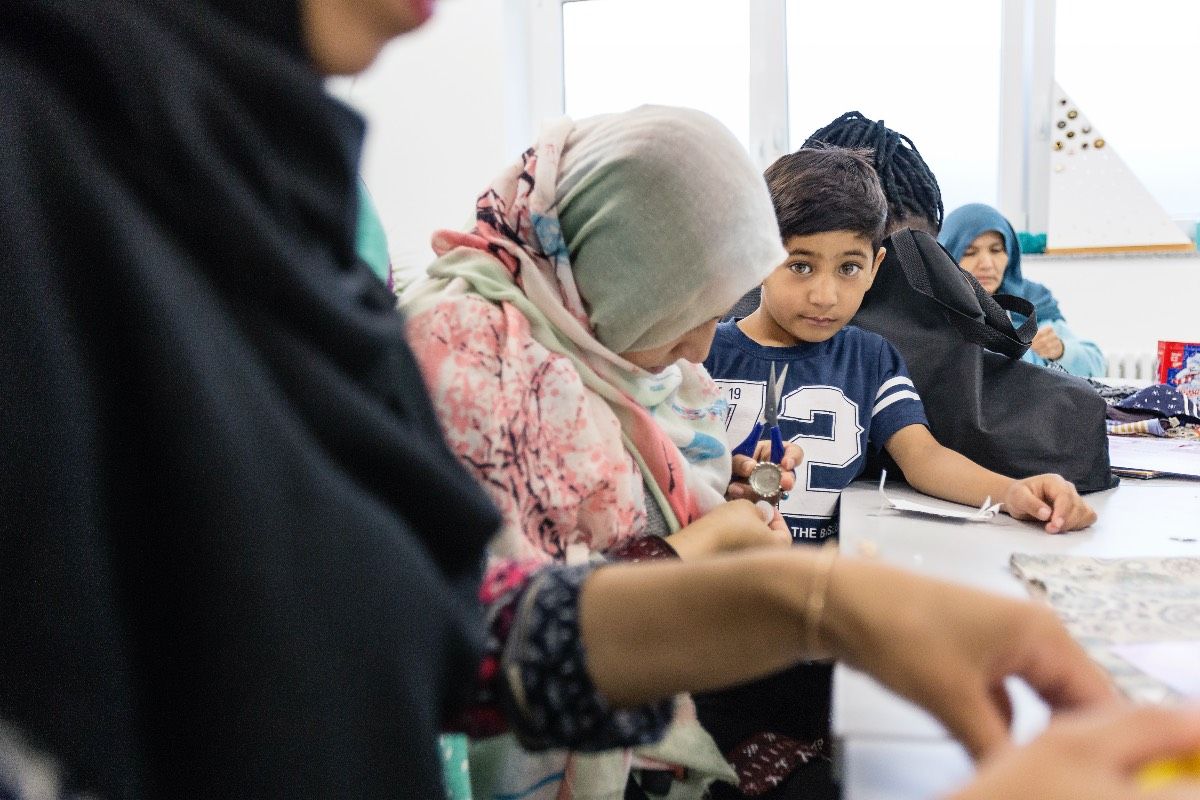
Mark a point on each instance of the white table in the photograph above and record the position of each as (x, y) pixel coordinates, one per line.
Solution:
(887, 747)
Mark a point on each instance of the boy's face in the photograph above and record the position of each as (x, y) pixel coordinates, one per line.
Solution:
(818, 289)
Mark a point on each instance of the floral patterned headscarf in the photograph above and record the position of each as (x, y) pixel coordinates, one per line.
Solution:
(622, 233)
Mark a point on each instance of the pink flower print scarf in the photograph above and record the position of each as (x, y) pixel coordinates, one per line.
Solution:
(672, 422)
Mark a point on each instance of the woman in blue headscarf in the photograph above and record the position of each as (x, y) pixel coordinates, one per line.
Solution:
(983, 243)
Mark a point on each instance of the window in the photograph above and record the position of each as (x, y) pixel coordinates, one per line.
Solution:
(618, 54)
(1131, 72)
(928, 69)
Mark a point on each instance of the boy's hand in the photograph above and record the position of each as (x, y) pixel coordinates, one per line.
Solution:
(743, 466)
(1051, 499)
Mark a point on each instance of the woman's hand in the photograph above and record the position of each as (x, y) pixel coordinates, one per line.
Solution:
(950, 648)
(1050, 499)
(1047, 344)
(1095, 756)
(743, 466)
(736, 525)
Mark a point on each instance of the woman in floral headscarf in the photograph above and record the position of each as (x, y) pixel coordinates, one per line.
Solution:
(561, 340)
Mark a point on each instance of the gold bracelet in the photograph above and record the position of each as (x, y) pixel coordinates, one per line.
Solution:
(814, 606)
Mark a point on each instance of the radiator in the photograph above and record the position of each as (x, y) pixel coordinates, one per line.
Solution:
(1132, 365)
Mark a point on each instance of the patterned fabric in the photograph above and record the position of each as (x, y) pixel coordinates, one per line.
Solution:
(455, 769)
(1162, 400)
(549, 452)
(534, 677)
(1134, 411)
(645, 548)
(550, 696)
(1110, 393)
(765, 760)
(1143, 427)
(1190, 432)
(793, 705)
(841, 398)
(519, 257)
(534, 682)
(1114, 601)
(500, 593)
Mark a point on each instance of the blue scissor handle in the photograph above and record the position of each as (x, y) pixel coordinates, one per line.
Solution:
(776, 445)
(750, 443)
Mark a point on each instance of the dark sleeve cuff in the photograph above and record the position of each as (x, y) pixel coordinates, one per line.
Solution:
(546, 689)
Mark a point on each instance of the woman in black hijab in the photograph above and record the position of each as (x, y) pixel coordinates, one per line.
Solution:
(217, 456)
(235, 557)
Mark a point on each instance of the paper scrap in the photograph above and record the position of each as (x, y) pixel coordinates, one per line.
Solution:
(1177, 457)
(1176, 664)
(982, 514)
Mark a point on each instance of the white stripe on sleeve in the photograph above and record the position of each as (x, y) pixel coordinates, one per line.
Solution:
(899, 380)
(895, 398)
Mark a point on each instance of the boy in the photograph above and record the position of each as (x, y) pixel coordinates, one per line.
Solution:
(846, 388)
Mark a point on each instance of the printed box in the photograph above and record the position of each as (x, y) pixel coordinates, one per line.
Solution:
(1179, 366)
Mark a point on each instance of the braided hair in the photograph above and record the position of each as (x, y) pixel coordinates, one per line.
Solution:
(912, 192)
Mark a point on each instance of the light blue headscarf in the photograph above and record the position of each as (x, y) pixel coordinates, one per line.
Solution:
(966, 224)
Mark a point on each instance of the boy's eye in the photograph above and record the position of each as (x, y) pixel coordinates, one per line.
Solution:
(850, 268)
(800, 268)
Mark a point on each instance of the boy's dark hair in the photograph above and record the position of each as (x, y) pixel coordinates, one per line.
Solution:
(913, 196)
(823, 189)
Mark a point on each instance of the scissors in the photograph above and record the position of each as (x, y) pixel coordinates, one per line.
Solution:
(767, 478)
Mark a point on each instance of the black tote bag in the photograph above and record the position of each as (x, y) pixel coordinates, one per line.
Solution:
(964, 356)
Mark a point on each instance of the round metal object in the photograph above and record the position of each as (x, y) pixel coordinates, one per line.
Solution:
(766, 479)
(1072, 114)
(1099, 143)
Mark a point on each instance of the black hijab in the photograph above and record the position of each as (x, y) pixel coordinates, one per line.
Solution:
(235, 556)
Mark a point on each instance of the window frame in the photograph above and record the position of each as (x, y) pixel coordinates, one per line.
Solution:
(1026, 85)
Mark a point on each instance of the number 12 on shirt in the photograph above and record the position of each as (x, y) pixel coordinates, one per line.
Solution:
(822, 420)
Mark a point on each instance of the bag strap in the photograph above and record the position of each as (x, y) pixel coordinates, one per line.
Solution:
(1012, 302)
(996, 332)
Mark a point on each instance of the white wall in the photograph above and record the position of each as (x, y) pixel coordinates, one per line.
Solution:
(449, 106)
(1124, 303)
(442, 122)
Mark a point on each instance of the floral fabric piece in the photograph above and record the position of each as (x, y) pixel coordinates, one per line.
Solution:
(764, 761)
(1115, 601)
(533, 679)
(645, 548)
(551, 697)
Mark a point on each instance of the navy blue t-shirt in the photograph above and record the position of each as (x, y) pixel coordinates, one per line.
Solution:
(840, 396)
